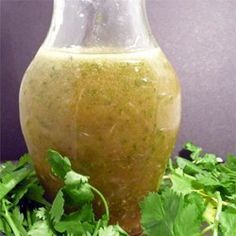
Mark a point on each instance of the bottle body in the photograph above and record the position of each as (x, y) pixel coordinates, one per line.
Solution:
(115, 115)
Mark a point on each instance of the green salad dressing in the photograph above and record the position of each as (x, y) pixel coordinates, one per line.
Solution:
(115, 114)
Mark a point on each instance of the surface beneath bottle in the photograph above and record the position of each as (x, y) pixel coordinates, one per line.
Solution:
(115, 115)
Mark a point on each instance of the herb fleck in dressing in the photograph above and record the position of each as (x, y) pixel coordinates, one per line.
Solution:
(116, 116)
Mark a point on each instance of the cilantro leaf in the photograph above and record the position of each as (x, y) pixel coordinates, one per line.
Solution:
(187, 222)
(73, 178)
(167, 213)
(158, 213)
(41, 228)
(60, 165)
(57, 208)
(11, 179)
(152, 213)
(72, 227)
(7, 167)
(231, 162)
(187, 166)
(18, 219)
(112, 231)
(41, 225)
(78, 195)
(24, 160)
(85, 213)
(182, 184)
(196, 198)
(36, 193)
(228, 222)
(207, 162)
(195, 150)
(207, 180)
(41, 213)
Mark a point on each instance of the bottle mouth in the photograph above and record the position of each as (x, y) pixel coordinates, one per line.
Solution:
(104, 24)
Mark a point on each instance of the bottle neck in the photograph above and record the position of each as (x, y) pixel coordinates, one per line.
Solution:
(116, 24)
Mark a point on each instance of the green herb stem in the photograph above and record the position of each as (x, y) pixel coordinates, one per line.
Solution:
(97, 228)
(166, 177)
(10, 221)
(203, 194)
(103, 200)
(208, 228)
(28, 218)
(6, 227)
(224, 203)
(171, 165)
(218, 212)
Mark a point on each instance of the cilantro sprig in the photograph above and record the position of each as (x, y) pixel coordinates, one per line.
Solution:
(197, 197)
(24, 210)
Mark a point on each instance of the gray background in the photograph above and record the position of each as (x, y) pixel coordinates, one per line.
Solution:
(198, 36)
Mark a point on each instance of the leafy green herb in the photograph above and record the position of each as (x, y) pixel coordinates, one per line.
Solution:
(24, 210)
(197, 196)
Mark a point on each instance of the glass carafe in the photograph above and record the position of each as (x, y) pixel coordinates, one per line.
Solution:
(101, 92)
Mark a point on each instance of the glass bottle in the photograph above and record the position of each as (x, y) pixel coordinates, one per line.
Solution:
(101, 92)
